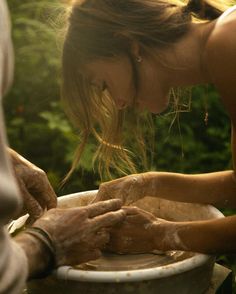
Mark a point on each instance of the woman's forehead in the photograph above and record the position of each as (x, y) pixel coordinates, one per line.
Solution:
(107, 63)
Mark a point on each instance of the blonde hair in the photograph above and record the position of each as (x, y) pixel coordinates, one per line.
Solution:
(105, 29)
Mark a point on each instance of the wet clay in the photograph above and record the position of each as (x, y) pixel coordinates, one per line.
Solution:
(169, 210)
(116, 262)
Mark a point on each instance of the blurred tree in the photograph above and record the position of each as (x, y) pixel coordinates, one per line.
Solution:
(38, 129)
(191, 145)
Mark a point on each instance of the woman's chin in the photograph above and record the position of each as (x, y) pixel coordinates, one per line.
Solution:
(157, 109)
(153, 106)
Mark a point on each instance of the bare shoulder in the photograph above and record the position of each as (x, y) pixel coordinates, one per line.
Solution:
(224, 29)
(221, 44)
(221, 60)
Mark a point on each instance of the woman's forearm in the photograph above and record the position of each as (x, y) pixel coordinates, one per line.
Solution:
(211, 236)
(217, 188)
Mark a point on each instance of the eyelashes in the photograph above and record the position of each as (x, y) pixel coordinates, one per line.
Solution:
(104, 86)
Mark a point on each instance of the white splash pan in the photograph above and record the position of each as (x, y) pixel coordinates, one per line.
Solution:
(161, 208)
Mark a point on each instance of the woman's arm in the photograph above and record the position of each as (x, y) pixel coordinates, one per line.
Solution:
(211, 236)
(141, 232)
(217, 188)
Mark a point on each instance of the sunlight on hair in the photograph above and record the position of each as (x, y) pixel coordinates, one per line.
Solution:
(90, 35)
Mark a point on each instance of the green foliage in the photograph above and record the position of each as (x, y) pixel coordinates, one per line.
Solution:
(38, 129)
(190, 145)
(36, 125)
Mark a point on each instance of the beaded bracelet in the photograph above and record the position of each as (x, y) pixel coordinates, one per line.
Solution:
(45, 238)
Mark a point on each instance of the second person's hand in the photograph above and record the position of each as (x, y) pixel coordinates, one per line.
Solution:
(36, 191)
(79, 234)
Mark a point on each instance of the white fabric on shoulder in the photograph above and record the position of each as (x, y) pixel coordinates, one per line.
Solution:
(13, 262)
(226, 13)
(13, 266)
(9, 193)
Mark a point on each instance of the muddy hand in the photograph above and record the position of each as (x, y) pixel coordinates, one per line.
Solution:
(79, 234)
(129, 189)
(139, 233)
(36, 191)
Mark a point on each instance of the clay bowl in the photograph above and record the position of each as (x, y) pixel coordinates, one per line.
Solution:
(170, 272)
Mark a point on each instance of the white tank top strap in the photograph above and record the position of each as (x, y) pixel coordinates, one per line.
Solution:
(228, 12)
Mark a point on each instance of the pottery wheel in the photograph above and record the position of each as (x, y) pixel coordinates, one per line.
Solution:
(115, 262)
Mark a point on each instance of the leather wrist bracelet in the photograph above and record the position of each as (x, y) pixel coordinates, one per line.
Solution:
(45, 238)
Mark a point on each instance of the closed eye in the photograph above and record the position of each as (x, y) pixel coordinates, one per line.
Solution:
(101, 87)
(104, 86)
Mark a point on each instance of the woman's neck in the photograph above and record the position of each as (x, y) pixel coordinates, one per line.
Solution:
(185, 62)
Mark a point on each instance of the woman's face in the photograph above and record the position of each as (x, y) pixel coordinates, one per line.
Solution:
(117, 77)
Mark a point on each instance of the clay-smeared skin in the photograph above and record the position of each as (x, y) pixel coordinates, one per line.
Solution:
(78, 234)
(128, 189)
(137, 234)
(194, 236)
(36, 191)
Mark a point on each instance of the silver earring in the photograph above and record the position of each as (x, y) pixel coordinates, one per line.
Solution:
(139, 59)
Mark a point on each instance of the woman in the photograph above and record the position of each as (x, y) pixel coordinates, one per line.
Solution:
(125, 54)
(54, 239)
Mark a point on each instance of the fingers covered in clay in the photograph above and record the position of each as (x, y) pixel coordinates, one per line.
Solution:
(36, 191)
(137, 234)
(79, 234)
(30, 204)
(128, 189)
(103, 207)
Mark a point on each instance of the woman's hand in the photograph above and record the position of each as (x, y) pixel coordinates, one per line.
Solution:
(129, 189)
(79, 234)
(141, 232)
(36, 191)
